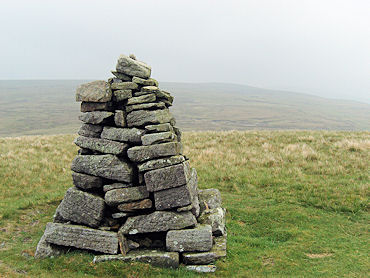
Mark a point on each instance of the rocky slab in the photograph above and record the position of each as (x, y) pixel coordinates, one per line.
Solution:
(143, 153)
(172, 198)
(124, 86)
(147, 117)
(160, 163)
(45, 249)
(96, 91)
(121, 76)
(96, 106)
(89, 130)
(132, 135)
(157, 138)
(141, 99)
(143, 106)
(145, 82)
(121, 95)
(120, 118)
(101, 145)
(116, 185)
(216, 218)
(201, 268)
(135, 206)
(95, 117)
(209, 199)
(122, 195)
(132, 67)
(86, 182)
(159, 128)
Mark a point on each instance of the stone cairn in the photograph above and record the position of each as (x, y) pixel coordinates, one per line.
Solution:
(135, 197)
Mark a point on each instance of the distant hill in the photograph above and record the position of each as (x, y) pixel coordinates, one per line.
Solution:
(49, 107)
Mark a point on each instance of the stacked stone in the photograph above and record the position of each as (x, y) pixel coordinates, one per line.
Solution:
(134, 191)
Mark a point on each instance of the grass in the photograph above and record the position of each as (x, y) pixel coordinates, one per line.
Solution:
(297, 204)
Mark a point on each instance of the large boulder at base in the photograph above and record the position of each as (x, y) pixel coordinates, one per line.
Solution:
(158, 221)
(82, 237)
(197, 239)
(132, 135)
(96, 91)
(154, 257)
(133, 67)
(86, 182)
(81, 207)
(216, 218)
(101, 145)
(95, 117)
(209, 199)
(143, 153)
(122, 195)
(148, 117)
(160, 163)
(106, 166)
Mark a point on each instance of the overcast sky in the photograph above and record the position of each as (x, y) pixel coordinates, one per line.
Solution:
(316, 46)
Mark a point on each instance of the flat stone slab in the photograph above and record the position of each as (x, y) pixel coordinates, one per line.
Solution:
(158, 221)
(147, 117)
(96, 106)
(121, 76)
(95, 117)
(201, 268)
(121, 95)
(145, 82)
(124, 195)
(132, 135)
(160, 163)
(141, 99)
(193, 188)
(216, 218)
(168, 177)
(143, 153)
(209, 199)
(157, 138)
(135, 206)
(106, 166)
(141, 106)
(45, 249)
(82, 237)
(159, 128)
(133, 67)
(116, 185)
(86, 182)
(173, 197)
(101, 145)
(90, 130)
(197, 239)
(124, 86)
(120, 118)
(153, 257)
(96, 91)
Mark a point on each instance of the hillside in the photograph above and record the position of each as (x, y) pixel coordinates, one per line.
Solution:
(297, 203)
(49, 107)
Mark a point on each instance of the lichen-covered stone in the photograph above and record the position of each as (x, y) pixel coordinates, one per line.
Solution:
(143, 153)
(144, 106)
(133, 67)
(121, 76)
(209, 199)
(82, 237)
(116, 185)
(95, 117)
(101, 145)
(96, 106)
(121, 95)
(158, 221)
(119, 215)
(145, 82)
(90, 130)
(135, 206)
(96, 91)
(193, 188)
(216, 218)
(123, 134)
(124, 86)
(45, 249)
(141, 99)
(160, 163)
(106, 166)
(147, 117)
(201, 268)
(86, 182)
(157, 138)
(122, 195)
(120, 118)
(159, 128)
(172, 198)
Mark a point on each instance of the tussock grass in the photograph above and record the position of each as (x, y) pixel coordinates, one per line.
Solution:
(297, 203)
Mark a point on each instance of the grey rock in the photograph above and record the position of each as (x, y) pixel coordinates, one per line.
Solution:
(172, 198)
(201, 268)
(143, 153)
(197, 239)
(122, 95)
(135, 206)
(168, 177)
(123, 244)
(119, 215)
(156, 138)
(83, 151)
(146, 117)
(145, 82)
(90, 130)
(81, 207)
(124, 195)
(132, 135)
(45, 249)
(96, 91)
(158, 221)
(96, 106)
(95, 117)
(133, 67)
(121, 76)
(82, 237)
(116, 185)
(150, 89)
(141, 99)
(160, 163)
(86, 182)
(124, 86)
(193, 189)
(178, 133)
(143, 106)
(106, 166)
(153, 257)
(159, 128)
(165, 97)
(216, 218)
(120, 118)
(186, 208)
(132, 244)
(209, 199)
(101, 145)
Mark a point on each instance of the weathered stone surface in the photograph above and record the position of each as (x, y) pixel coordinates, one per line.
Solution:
(124, 195)
(123, 134)
(186, 208)
(119, 215)
(133, 67)
(96, 91)
(122, 95)
(82, 237)
(157, 138)
(159, 128)
(120, 118)
(193, 188)
(81, 207)
(145, 82)
(86, 182)
(197, 239)
(178, 133)
(201, 268)
(160, 163)
(83, 151)
(150, 90)
(153, 257)
(200, 258)
(116, 185)
(132, 244)
(124, 86)
(209, 199)
(172, 198)
(101, 145)
(106, 166)
(165, 97)
(123, 243)
(95, 117)
(216, 218)
(158, 221)
(90, 130)
(146, 117)
(121, 76)
(45, 249)
(96, 106)
(143, 153)
(152, 105)
(141, 99)
(168, 177)
(134, 206)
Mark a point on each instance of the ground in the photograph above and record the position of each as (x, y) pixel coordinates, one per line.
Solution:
(297, 204)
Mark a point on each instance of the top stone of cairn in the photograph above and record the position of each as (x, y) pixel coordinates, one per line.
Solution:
(132, 67)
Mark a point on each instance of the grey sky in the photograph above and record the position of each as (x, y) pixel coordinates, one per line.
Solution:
(316, 46)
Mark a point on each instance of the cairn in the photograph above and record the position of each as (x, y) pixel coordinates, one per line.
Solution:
(135, 196)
